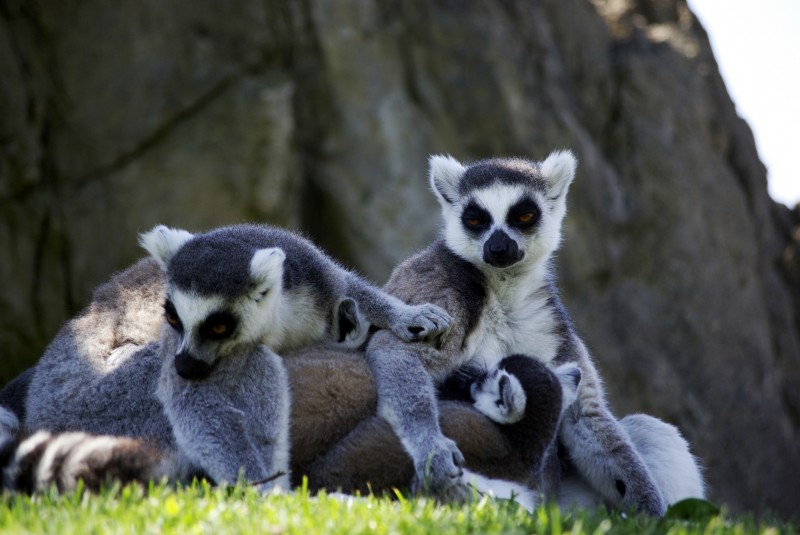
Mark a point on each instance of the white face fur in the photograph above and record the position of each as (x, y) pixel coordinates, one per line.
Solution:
(209, 326)
(505, 223)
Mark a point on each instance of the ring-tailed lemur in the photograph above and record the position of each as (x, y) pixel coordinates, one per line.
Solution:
(333, 397)
(511, 394)
(505, 396)
(229, 297)
(364, 454)
(492, 272)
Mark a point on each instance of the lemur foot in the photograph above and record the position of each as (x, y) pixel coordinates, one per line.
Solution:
(441, 473)
(500, 397)
(424, 323)
(643, 497)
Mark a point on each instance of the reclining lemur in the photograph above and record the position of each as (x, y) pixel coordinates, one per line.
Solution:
(231, 298)
(225, 394)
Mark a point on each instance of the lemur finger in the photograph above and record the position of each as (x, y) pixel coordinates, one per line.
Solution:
(437, 315)
(417, 329)
(438, 340)
(458, 460)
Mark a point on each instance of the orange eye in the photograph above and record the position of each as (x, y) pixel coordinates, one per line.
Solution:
(172, 319)
(473, 222)
(219, 329)
(525, 218)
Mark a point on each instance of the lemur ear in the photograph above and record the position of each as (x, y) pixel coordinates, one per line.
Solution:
(444, 174)
(266, 270)
(350, 328)
(559, 170)
(163, 242)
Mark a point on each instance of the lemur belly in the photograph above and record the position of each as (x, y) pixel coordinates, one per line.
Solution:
(526, 326)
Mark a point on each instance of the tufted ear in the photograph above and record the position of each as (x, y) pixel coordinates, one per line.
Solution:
(266, 270)
(350, 328)
(444, 174)
(559, 170)
(163, 242)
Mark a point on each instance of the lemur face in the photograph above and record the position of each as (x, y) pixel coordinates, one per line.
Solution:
(502, 212)
(498, 221)
(217, 298)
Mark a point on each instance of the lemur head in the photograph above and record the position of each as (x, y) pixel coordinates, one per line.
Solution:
(503, 212)
(221, 293)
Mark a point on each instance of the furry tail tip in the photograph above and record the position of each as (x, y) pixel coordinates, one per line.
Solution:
(42, 460)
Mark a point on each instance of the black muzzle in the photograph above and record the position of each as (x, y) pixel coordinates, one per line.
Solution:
(500, 250)
(191, 368)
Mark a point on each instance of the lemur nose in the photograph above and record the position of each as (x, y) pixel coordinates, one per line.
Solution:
(191, 368)
(501, 250)
(498, 248)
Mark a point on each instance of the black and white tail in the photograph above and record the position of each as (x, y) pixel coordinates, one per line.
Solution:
(42, 460)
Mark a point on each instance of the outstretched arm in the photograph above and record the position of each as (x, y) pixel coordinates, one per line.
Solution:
(411, 323)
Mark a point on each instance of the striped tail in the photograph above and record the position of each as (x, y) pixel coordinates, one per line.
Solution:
(42, 460)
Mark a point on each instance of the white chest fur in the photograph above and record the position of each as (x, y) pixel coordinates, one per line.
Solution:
(518, 320)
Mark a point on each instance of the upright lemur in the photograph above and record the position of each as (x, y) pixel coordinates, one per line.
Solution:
(492, 271)
(195, 329)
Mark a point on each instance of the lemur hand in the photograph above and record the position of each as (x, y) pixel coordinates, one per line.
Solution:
(439, 472)
(423, 323)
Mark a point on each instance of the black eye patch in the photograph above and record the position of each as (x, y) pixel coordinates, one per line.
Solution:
(171, 315)
(218, 326)
(475, 219)
(524, 215)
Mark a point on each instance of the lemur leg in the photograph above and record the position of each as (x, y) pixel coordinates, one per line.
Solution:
(603, 454)
(411, 323)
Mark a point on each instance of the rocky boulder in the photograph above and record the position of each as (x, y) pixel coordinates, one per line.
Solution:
(681, 274)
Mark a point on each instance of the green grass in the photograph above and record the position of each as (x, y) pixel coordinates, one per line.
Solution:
(199, 509)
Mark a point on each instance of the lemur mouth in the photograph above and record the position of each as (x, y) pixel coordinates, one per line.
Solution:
(191, 368)
(503, 261)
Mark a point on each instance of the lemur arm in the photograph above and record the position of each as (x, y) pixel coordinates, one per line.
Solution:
(409, 322)
(234, 422)
(404, 375)
(407, 400)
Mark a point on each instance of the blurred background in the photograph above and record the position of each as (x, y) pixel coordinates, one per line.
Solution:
(681, 273)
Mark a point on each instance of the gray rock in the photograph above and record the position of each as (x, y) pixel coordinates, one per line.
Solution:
(680, 272)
